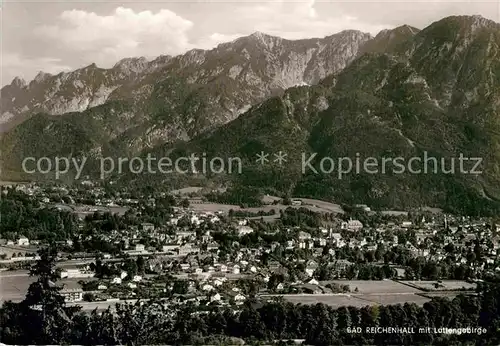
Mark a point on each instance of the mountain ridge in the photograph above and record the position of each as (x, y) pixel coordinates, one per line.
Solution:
(433, 90)
(385, 104)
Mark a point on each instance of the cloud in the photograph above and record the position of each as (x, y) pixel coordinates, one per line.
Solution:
(124, 33)
(303, 20)
(14, 64)
(291, 20)
(215, 39)
(80, 37)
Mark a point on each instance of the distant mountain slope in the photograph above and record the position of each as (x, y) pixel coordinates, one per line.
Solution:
(171, 98)
(231, 76)
(167, 99)
(438, 92)
(387, 41)
(406, 93)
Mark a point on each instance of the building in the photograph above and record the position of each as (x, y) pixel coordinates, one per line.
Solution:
(304, 235)
(72, 294)
(187, 249)
(170, 247)
(23, 241)
(75, 273)
(363, 207)
(352, 225)
(342, 264)
(215, 298)
(146, 226)
(71, 291)
(239, 298)
(311, 267)
(242, 230)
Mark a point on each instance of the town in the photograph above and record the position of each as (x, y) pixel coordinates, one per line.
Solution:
(183, 248)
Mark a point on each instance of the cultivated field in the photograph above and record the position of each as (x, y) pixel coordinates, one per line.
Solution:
(83, 210)
(334, 301)
(356, 300)
(213, 207)
(445, 285)
(15, 284)
(394, 213)
(186, 190)
(14, 249)
(372, 286)
(321, 206)
(396, 299)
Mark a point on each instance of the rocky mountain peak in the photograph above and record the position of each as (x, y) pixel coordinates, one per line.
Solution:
(261, 39)
(259, 35)
(41, 76)
(132, 64)
(409, 28)
(387, 40)
(160, 61)
(18, 82)
(401, 30)
(450, 28)
(351, 33)
(193, 56)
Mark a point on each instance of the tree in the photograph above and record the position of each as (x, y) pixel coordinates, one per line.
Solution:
(88, 297)
(185, 203)
(141, 265)
(180, 287)
(43, 317)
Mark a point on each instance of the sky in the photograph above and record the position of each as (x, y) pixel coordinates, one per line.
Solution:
(63, 35)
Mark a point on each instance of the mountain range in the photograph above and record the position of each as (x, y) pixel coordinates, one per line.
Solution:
(402, 93)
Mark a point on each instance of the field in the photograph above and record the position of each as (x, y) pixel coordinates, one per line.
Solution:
(14, 284)
(330, 300)
(186, 190)
(267, 218)
(357, 300)
(384, 292)
(396, 299)
(394, 213)
(14, 249)
(213, 207)
(445, 285)
(321, 206)
(372, 286)
(83, 210)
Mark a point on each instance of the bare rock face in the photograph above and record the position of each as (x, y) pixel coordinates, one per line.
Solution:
(234, 76)
(139, 104)
(437, 92)
(399, 94)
